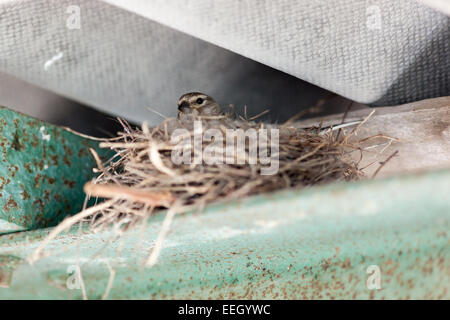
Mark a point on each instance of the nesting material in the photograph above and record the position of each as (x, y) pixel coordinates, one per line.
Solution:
(142, 177)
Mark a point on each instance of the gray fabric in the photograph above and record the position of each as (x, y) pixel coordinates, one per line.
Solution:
(122, 63)
(441, 5)
(329, 43)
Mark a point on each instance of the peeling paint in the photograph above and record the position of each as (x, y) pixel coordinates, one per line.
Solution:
(45, 136)
(42, 171)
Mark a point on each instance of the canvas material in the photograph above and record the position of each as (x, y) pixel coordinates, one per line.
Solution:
(128, 56)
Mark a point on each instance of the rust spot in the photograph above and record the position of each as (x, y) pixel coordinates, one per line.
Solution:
(27, 166)
(59, 213)
(38, 164)
(33, 123)
(67, 160)
(47, 195)
(24, 194)
(16, 145)
(67, 205)
(69, 183)
(68, 150)
(35, 141)
(13, 170)
(82, 152)
(10, 204)
(40, 203)
(3, 182)
(54, 159)
(36, 180)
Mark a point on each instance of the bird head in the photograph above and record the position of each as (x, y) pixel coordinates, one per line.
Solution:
(197, 103)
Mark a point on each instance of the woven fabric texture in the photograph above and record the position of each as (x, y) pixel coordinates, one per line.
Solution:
(127, 56)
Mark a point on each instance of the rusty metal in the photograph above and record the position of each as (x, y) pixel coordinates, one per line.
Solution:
(318, 243)
(42, 171)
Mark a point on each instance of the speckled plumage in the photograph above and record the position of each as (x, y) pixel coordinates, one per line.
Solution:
(197, 104)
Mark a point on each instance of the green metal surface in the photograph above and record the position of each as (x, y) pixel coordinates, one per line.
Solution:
(317, 243)
(42, 172)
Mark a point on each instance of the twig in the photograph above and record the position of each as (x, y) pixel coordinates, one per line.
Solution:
(259, 115)
(153, 199)
(136, 145)
(112, 274)
(311, 110)
(97, 159)
(343, 118)
(157, 112)
(359, 126)
(383, 163)
(65, 224)
(295, 117)
(339, 126)
(90, 137)
(153, 257)
(378, 136)
(157, 162)
(79, 274)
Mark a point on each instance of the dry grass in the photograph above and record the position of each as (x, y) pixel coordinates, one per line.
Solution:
(141, 178)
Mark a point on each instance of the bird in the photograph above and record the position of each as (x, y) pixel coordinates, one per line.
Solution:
(197, 104)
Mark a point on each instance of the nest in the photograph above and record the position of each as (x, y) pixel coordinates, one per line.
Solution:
(142, 178)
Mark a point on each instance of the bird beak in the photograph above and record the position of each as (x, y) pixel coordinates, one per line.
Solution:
(183, 105)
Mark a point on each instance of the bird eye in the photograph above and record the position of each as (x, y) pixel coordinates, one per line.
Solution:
(199, 101)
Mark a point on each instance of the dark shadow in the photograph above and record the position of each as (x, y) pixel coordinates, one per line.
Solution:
(427, 77)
